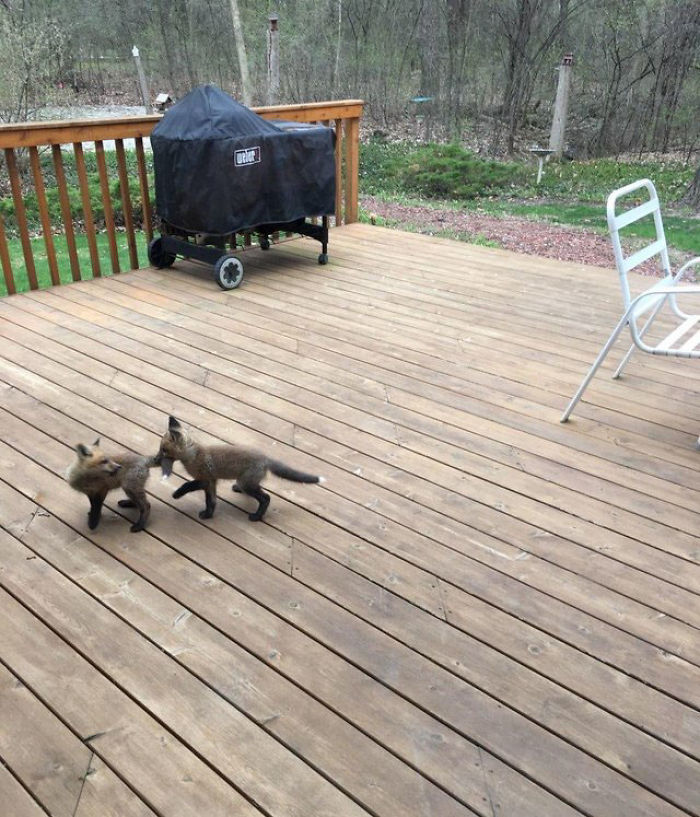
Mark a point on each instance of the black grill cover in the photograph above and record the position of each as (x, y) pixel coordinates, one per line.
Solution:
(220, 168)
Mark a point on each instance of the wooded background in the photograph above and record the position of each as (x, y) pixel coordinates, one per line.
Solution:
(489, 67)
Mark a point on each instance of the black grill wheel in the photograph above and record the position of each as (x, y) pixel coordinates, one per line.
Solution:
(159, 257)
(228, 272)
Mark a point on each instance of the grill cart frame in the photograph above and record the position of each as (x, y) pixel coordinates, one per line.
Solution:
(209, 249)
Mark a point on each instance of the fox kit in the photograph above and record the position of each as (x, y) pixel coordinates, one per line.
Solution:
(96, 474)
(209, 463)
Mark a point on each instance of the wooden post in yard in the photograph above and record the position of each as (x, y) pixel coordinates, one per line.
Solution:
(273, 60)
(561, 105)
(145, 96)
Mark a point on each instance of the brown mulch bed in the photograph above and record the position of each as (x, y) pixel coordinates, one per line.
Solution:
(521, 235)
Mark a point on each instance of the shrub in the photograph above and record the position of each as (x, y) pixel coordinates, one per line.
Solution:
(451, 172)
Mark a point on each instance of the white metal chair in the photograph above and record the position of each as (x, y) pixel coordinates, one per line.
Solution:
(684, 338)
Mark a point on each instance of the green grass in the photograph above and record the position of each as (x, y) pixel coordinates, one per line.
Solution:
(42, 265)
(682, 231)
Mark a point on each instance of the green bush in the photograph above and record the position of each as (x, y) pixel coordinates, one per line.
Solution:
(451, 172)
(434, 171)
(381, 164)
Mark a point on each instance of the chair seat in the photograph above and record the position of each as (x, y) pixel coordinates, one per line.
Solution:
(677, 343)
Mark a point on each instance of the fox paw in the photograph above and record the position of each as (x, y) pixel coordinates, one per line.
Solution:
(136, 527)
(206, 514)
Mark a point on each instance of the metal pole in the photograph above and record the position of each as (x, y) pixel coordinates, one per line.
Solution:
(145, 96)
(273, 60)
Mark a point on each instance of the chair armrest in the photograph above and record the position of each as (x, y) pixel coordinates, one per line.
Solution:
(691, 263)
(664, 291)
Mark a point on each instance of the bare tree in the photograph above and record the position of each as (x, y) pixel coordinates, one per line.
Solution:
(241, 52)
(692, 194)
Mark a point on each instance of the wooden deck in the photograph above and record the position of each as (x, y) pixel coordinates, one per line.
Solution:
(481, 611)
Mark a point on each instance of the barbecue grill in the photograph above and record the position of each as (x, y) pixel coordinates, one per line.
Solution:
(222, 172)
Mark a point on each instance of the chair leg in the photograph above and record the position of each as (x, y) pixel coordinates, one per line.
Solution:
(655, 311)
(594, 368)
(623, 362)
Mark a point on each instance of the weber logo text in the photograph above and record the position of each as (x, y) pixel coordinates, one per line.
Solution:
(249, 156)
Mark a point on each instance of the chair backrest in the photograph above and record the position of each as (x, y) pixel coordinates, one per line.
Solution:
(618, 221)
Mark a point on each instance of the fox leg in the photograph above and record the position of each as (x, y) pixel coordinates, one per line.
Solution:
(210, 496)
(263, 500)
(186, 487)
(96, 501)
(137, 499)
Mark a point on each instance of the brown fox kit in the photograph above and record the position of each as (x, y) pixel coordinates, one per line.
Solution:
(96, 474)
(209, 463)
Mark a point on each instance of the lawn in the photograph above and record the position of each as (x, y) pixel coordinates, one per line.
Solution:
(42, 265)
(682, 229)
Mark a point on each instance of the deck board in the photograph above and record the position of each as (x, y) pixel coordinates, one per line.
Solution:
(480, 612)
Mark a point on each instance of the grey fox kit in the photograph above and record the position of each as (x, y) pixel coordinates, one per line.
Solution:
(208, 463)
(96, 474)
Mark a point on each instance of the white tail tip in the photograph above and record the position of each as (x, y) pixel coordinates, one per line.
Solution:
(321, 480)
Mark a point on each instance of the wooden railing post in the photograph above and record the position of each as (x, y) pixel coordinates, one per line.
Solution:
(352, 169)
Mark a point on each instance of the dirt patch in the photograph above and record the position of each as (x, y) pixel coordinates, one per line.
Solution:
(571, 244)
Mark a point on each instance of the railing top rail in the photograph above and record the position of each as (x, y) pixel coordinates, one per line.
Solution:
(27, 134)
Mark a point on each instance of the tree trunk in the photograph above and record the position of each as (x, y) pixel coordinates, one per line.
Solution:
(692, 195)
(241, 52)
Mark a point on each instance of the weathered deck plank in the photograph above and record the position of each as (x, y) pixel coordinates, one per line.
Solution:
(481, 611)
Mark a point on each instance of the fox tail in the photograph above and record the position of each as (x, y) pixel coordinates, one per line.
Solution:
(279, 469)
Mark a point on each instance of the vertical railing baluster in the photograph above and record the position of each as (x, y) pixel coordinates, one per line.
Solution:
(21, 216)
(44, 215)
(338, 172)
(126, 203)
(65, 211)
(107, 206)
(87, 208)
(145, 198)
(5, 260)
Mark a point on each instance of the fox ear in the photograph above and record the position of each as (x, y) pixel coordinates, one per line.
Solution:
(174, 423)
(97, 442)
(83, 450)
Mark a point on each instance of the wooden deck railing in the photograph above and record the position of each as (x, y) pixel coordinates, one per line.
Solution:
(18, 140)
